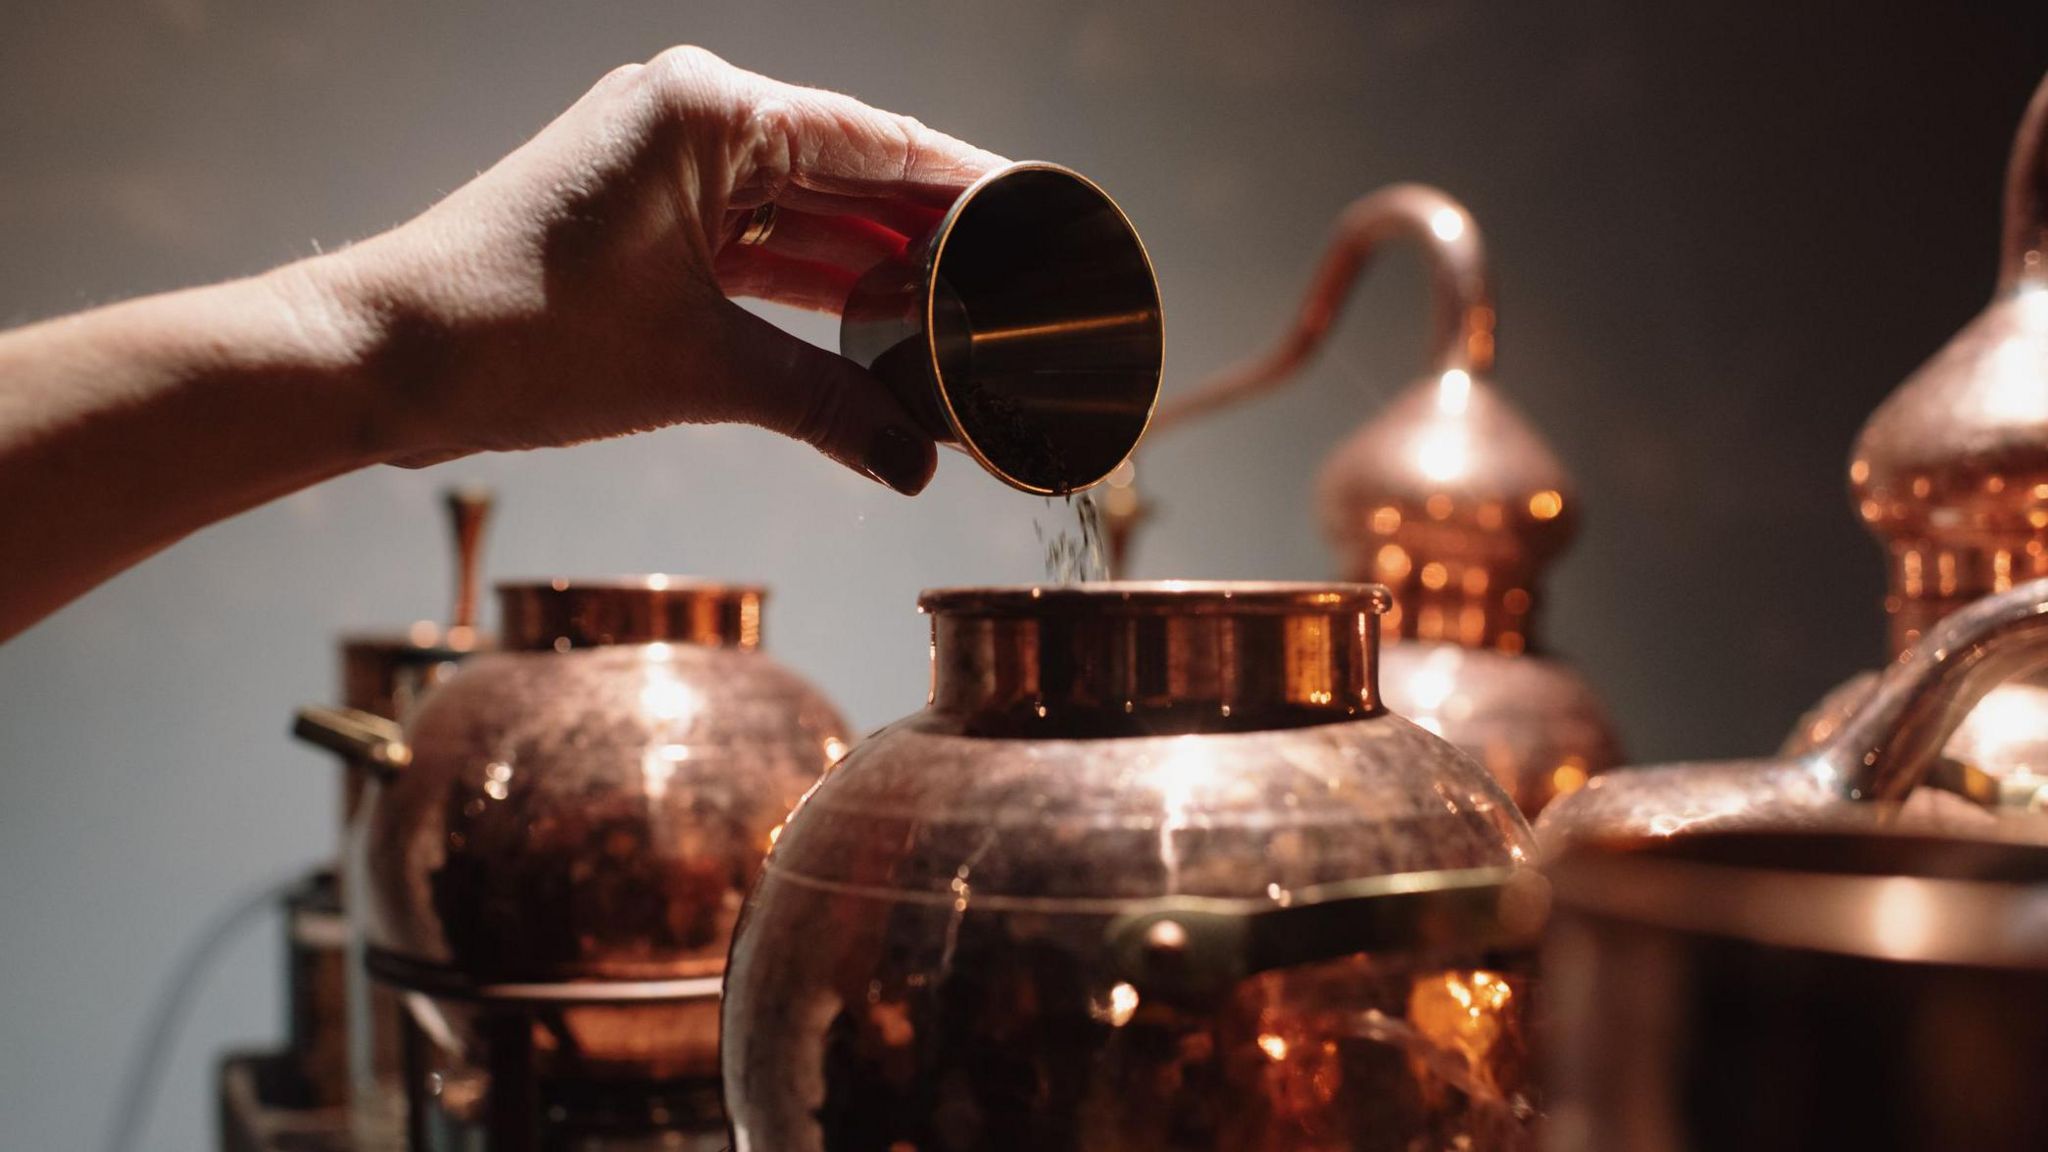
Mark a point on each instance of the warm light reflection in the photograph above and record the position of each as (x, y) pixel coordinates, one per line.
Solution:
(2017, 390)
(1123, 1004)
(1454, 392)
(1902, 916)
(668, 702)
(1568, 777)
(1181, 776)
(1546, 505)
(1273, 1045)
(1443, 453)
(1447, 223)
(1464, 1012)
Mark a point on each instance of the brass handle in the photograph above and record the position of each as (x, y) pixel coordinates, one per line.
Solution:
(1190, 949)
(364, 737)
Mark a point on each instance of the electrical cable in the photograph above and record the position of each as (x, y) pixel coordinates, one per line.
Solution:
(140, 1081)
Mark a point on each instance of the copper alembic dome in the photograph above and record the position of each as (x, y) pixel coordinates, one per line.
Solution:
(1951, 475)
(552, 856)
(1452, 500)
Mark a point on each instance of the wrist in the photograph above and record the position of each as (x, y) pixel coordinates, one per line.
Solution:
(354, 332)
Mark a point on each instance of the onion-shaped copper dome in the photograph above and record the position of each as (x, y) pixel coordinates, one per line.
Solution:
(1950, 474)
(1951, 471)
(1450, 498)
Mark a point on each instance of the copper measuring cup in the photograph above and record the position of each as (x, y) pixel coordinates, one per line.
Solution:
(1025, 330)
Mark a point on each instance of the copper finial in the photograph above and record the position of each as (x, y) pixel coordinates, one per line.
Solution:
(468, 510)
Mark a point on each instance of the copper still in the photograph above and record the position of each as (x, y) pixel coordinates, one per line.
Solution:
(1951, 475)
(552, 854)
(304, 1089)
(1886, 753)
(1448, 497)
(1155, 868)
(1773, 991)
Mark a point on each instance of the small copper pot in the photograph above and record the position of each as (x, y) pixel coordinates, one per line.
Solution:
(551, 856)
(1154, 869)
(1025, 330)
(1798, 990)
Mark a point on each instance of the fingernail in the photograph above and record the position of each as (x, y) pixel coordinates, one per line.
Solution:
(899, 461)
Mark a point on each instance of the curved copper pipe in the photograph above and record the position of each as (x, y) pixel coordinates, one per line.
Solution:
(1462, 309)
(2024, 258)
(1886, 749)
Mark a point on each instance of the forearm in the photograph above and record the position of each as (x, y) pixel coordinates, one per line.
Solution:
(125, 428)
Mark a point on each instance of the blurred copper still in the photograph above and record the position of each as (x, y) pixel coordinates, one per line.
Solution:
(299, 1094)
(1448, 497)
(1951, 475)
(551, 855)
(1154, 870)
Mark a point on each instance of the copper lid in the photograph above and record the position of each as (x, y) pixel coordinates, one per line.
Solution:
(565, 614)
(1951, 471)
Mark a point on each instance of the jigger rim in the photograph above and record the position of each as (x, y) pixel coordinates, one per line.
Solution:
(1169, 597)
(943, 234)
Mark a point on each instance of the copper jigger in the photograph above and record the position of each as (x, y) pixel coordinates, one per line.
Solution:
(1024, 331)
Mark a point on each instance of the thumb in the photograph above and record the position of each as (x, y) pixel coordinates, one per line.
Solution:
(788, 385)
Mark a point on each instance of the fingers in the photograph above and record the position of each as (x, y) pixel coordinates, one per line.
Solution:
(817, 140)
(840, 145)
(899, 216)
(781, 383)
(761, 274)
(846, 241)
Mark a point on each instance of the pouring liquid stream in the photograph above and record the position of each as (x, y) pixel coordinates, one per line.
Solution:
(1075, 550)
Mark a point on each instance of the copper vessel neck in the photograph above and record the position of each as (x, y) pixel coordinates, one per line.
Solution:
(1130, 659)
(1461, 297)
(564, 614)
(2024, 259)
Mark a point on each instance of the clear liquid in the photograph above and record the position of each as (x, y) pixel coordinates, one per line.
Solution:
(1075, 549)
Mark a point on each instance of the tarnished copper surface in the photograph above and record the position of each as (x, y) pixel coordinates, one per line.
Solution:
(1025, 330)
(1795, 990)
(931, 958)
(1449, 498)
(1951, 475)
(1882, 752)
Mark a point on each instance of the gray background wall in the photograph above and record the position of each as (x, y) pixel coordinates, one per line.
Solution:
(1722, 232)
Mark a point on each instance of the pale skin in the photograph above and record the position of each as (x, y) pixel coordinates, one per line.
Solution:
(579, 289)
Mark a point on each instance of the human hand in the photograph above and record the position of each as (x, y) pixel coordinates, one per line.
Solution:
(579, 289)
